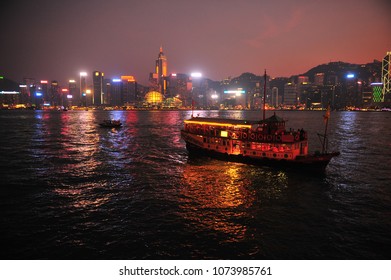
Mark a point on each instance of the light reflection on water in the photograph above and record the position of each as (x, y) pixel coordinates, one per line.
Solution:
(66, 143)
(83, 191)
(220, 196)
(82, 197)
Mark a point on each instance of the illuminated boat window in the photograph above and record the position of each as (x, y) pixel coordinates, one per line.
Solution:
(224, 133)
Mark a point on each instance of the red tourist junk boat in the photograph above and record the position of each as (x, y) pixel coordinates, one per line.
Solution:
(265, 142)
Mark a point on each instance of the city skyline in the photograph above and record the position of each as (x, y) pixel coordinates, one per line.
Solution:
(57, 41)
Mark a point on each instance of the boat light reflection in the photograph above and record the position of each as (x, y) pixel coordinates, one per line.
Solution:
(219, 190)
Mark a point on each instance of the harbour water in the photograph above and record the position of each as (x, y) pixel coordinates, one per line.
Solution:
(73, 190)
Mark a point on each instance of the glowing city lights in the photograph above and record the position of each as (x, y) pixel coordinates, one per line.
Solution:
(196, 75)
(128, 78)
(235, 91)
(9, 92)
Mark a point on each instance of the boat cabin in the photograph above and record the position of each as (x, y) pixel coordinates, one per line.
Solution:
(267, 138)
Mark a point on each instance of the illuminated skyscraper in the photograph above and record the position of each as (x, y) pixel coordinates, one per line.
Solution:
(54, 94)
(73, 97)
(83, 89)
(115, 92)
(45, 91)
(161, 71)
(128, 90)
(290, 94)
(377, 92)
(386, 77)
(97, 78)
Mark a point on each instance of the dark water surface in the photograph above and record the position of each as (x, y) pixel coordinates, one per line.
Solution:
(72, 190)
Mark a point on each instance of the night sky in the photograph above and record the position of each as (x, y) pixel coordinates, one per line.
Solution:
(55, 40)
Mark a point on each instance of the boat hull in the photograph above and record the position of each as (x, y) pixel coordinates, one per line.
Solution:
(110, 125)
(314, 162)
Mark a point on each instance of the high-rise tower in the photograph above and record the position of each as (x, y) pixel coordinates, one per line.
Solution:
(161, 71)
(386, 77)
(98, 88)
(83, 89)
(74, 97)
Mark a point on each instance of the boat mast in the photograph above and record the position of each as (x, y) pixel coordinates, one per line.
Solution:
(326, 119)
(192, 107)
(264, 99)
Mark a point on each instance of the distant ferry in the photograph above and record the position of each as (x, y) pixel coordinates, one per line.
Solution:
(262, 142)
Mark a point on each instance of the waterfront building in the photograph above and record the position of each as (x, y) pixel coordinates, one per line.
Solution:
(243, 91)
(290, 94)
(274, 102)
(154, 99)
(83, 89)
(161, 70)
(366, 97)
(172, 85)
(9, 92)
(158, 79)
(179, 86)
(128, 90)
(279, 83)
(64, 95)
(310, 95)
(45, 91)
(121, 91)
(37, 97)
(106, 91)
(199, 88)
(27, 92)
(98, 96)
(377, 93)
(114, 92)
(386, 77)
(54, 94)
(73, 98)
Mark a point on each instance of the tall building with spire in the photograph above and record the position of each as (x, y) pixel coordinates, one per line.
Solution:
(161, 71)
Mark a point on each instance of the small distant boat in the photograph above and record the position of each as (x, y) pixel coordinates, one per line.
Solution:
(111, 123)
